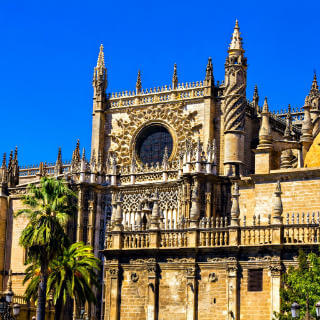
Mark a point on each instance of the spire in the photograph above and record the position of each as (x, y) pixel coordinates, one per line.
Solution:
(100, 62)
(10, 160)
(265, 138)
(209, 71)
(236, 40)
(265, 108)
(4, 161)
(77, 151)
(255, 99)
(314, 87)
(58, 167)
(175, 77)
(138, 83)
(100, 75)
(15, 154)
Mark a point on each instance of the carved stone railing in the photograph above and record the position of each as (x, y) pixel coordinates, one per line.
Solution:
(184, 91)
(306, 232)
(33, 170)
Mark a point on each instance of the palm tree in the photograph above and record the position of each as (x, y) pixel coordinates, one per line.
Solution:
(48, 209)
(72, 274)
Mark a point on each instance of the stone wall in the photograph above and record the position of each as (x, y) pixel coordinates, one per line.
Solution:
(300, 193)
(203, 287)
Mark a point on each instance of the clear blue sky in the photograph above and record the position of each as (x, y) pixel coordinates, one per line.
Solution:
(49, 49)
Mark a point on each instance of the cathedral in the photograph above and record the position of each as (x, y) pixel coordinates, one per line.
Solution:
(196, 198)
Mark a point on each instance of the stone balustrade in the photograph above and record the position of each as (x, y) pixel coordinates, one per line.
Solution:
(220, 235)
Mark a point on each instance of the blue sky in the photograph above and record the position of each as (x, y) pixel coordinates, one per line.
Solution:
(49, 49)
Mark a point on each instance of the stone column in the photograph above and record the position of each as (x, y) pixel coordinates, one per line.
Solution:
(152, 303)
(232, 292)
(80, 216)
(3, 232)
(275, 278)
(112, 297)
(208, 199)
(191, 309)
(97, 223)
(91, 222)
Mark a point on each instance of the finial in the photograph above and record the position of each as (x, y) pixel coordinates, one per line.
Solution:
(237, 24)
(138, 83)
(59, 158)
(287, 131)
(100, 62)
(209, 70)
(175, 77)
(255, 99)
(10, 159)
(4, 160)
(265, 108)
(83, 154)
(16, 153)
(236, 40)
(277, 204)
(235, 209)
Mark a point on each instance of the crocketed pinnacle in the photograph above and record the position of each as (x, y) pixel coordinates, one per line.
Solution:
(265, 108)
(209, 70)
(100, 63)
(236, 40)
(287, 131)
(4, 160)
(59, 157)
(138, 83)
(314, 87)
(175, 77)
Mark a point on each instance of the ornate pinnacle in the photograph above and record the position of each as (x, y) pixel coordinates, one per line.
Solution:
(236, 40)
(76, 153)
(175, 77)
(307, 122)
(209, 70)
(59, 157)
(287, 131)
(165, 158)
(155, 216)
(314, 87)
(100, 74)
(265, 108)
(10, 159)
(138, 83)
(277, 205)
(265, 138)
(100, 62)
(58, 166)
(83, 154)
(235, 209)
(255, 99)
(16, 154)
(4, 161)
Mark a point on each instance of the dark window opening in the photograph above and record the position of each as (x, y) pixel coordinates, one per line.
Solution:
(255, 279)
(151, 144)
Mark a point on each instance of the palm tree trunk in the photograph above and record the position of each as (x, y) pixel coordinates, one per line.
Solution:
(42, 292)
(58, 309)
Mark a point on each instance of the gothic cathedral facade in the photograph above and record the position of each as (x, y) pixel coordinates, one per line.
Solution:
(195, 198)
